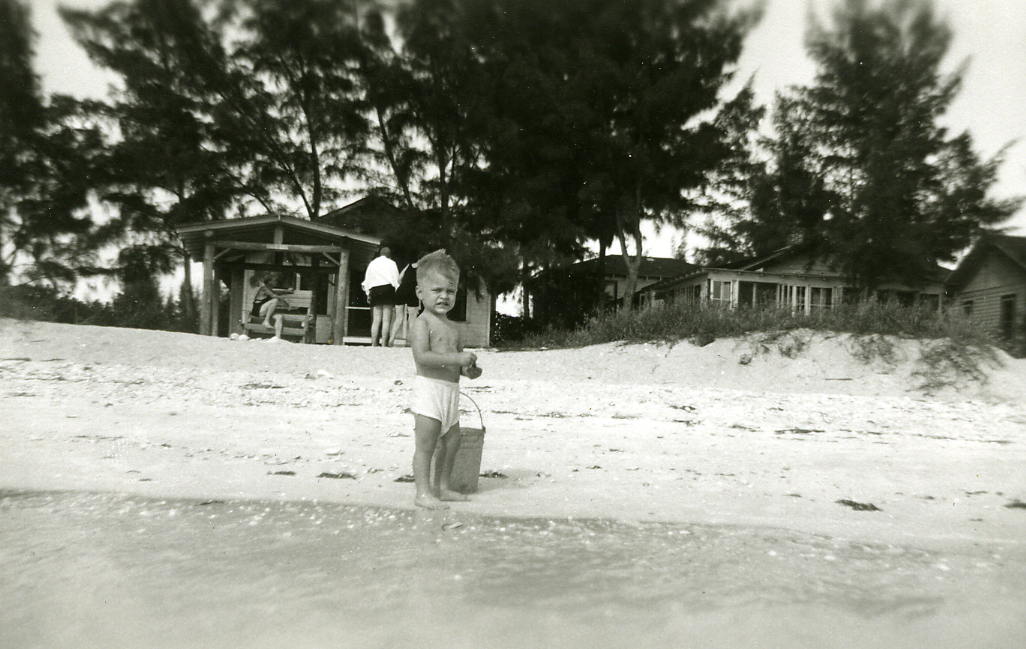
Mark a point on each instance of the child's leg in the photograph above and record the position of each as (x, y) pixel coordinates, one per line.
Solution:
(450, 443)
(426, 432)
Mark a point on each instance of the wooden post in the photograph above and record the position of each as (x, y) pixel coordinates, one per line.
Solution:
(235, 302)
(310, 335)
(208, 283)
(279, 238)
(215, 302)
(340, 319)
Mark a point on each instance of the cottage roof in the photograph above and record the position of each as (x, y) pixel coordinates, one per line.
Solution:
(261, 229)
(362, 215)
(650, 266)
(938, 274)
(1012, 247)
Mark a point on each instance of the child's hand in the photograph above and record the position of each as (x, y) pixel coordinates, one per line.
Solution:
(472, 372)
(467, 359)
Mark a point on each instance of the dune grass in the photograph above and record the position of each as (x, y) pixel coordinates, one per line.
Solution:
(703, 324)
(953, 350)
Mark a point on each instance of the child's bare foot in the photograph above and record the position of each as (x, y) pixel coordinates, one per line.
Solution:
(446, 494)
(428, 501)
(268, 323)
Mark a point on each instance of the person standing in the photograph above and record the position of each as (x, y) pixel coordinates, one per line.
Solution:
(379, 283)
(440, 362)
(407, 304)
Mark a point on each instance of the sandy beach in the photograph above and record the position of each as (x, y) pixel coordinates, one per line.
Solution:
(171, 490)
(642, 432)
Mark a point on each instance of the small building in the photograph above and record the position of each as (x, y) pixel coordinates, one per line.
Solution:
(650, 271)
(614, 273)
(788, 278)
(989, 285)
(562, 295)
(403, 231)
(323, 265)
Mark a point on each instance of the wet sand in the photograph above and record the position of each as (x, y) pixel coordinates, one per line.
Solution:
(124, 571)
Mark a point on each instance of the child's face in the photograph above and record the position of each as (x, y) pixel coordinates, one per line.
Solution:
(438, 292)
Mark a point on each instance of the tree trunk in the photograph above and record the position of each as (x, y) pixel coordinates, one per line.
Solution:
(525, 275)
(188, 300)
(5, 271)
(633, 264)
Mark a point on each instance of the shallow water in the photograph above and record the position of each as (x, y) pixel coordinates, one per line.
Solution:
(109, 570)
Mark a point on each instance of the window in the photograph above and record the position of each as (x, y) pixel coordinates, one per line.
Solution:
(720, 291)
(611, 289)
(799, 298)
(1007, 316)
(746, 293)
(822, 298)
(905, 298)
(967, 307)
(765, 295)
(690, 294)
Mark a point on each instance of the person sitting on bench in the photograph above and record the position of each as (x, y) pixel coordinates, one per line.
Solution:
(267, 301)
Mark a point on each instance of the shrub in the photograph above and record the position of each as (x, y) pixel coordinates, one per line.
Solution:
(705, 323)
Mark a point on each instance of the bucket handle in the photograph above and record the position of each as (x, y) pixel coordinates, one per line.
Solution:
(479, 415)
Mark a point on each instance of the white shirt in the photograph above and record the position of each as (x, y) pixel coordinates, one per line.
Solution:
(380, 271)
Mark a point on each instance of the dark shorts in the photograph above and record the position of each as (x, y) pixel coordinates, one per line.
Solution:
(409, 298)
(382, 295)
(257, 304)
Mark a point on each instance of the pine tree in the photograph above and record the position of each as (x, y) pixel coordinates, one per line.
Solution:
(169, 164)
(654, 71)
(292, 98)
(902, 192)
(48, 152)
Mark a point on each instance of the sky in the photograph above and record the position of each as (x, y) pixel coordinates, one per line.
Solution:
(989, 34)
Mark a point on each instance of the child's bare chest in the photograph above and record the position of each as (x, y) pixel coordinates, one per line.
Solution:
(443, 338)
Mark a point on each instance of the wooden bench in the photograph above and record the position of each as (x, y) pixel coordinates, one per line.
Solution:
(294, 325)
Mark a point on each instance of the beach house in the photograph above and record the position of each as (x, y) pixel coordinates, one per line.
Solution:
(989, 285)
(787, 278)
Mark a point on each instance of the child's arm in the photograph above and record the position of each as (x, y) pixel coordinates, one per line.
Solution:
(471, 371)
(420, 342)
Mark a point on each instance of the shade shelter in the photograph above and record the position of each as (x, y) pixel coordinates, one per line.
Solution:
(321, 263)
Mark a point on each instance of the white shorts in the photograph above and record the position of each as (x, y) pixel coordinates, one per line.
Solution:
(436, 399)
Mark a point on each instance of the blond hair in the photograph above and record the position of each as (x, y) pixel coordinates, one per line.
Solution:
(437, 262)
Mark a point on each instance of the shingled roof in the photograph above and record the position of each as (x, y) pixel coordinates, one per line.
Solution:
(1012, 247)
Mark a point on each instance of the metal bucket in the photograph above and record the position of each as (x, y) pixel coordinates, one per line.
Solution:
(466, 467)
